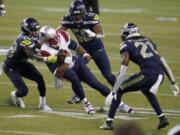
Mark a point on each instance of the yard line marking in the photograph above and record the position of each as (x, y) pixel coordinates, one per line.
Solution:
(167, 19)
(23, 132)
(80, 114)
(105, 10)
(86, 88)
(25, 116)
(85, 116)
(4, 51)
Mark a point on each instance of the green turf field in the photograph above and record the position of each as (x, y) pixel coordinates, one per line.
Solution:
(71, 119)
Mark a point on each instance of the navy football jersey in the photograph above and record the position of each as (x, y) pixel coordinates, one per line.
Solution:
(142, 52)
(89, 21)
(16, 52)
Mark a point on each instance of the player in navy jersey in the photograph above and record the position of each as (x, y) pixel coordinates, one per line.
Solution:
(16, 65)
(87, 29)
(143, 52)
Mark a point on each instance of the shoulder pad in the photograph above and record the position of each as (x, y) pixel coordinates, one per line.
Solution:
(66, 20)
(64, 34)
(122, 46)
(26, 41)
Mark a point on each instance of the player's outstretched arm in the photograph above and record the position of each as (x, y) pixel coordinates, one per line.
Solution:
(120, 78)
(168, 71)
(122, 71)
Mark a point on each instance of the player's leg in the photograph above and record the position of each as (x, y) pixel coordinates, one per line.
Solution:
(101, 59)
(86, 76)
(156, 106)
(133, 83)
(78, 89)
(21, 88)
(30, 72)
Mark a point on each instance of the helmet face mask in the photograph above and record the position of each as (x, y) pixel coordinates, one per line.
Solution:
(48, 34)
(128, 30)
(77, 11)
(30, 27)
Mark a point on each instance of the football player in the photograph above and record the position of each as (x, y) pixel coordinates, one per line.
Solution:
(68, 66)
(16, 65)
(143, 52)
(87, 29)
(2, 8)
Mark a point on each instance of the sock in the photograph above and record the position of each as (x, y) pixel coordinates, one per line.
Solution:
(42, 100)
(161, 116)
(109, 119)
(84, 101)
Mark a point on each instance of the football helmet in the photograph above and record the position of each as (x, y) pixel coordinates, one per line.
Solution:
(77, 11)
(48, 34)
(129, 29)
(30, 27)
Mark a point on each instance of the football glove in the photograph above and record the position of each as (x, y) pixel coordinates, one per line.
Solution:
(87, 57)
(175, 89)
(109, 98)
(90, 33)
(51, 59)
(2, 10)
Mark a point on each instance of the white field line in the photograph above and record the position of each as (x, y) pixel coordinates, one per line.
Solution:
(85, 88)
(105, 10)
(4, 50)
(167, 19)
(106, 34)
(80, 114)
(93, 71)
(23, 132)
(85, 116)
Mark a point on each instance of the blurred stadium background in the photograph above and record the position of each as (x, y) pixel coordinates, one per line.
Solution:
(158, 19)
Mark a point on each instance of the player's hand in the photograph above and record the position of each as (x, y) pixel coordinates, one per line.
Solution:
(90, 33)
(87, 57)
(51, 59)
(175, 89)
(2, 10)
(109, 98)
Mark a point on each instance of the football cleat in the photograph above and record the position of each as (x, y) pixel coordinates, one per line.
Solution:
(44, 107)
(89, 108)
(163, 123)
(74, 100)
(107, 126)
(125, 108)
(17, 101)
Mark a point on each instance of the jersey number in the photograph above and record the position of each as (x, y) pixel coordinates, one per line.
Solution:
(143, 50)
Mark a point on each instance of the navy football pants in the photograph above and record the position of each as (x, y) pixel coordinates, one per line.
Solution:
(137, 82)
(27, 70)
(97, 51)
(81, 73)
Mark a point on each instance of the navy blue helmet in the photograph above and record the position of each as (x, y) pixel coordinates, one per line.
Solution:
(129, 29)
(77, 11)
(30, 27)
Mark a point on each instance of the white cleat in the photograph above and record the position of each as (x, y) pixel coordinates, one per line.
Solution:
(17, 101)
(125, 108)
(44, 107)
(89, 108)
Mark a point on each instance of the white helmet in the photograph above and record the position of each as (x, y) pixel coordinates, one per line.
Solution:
(48, 34)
